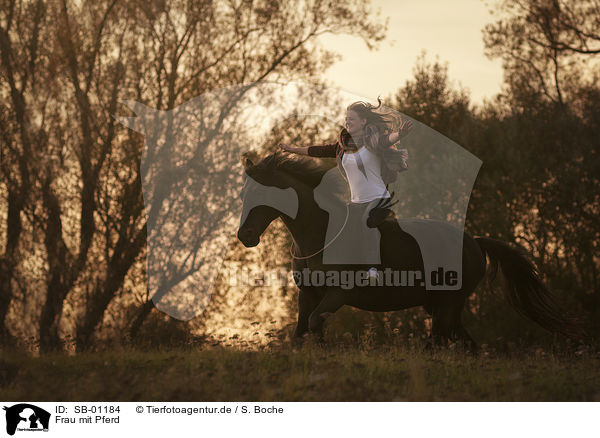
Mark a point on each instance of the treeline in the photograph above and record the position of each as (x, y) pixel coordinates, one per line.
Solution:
(539, 185)
(538, 188)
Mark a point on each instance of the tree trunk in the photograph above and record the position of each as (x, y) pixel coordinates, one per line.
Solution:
(139, 320)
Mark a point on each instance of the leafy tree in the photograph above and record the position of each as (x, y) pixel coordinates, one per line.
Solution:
(549, 51)
(545, 45)
(65, 67)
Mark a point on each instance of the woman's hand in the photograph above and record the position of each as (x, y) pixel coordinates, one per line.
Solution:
(285, 147)
(405, 127)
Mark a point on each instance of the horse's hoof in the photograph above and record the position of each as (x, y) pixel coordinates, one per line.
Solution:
(297, 340)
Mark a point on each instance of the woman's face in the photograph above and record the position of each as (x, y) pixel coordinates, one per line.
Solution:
(354, 123)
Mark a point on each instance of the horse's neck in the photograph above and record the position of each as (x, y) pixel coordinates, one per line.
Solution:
(309, 226)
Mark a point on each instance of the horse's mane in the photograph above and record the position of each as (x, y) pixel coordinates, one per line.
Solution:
(305, 169)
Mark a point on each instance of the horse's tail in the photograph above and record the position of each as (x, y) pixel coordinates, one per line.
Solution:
(525, 290)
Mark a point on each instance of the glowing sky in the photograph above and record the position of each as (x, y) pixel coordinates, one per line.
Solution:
(450, 29)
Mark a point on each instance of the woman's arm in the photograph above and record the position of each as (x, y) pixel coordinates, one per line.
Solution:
(295, 150)
(326, 150)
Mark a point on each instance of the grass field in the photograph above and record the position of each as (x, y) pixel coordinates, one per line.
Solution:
(306, 373)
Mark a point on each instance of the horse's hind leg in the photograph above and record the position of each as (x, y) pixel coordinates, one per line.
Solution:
(442, 326)
(445, 325)
(469, 342)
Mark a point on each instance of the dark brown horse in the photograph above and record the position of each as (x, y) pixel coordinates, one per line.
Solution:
(399, 251)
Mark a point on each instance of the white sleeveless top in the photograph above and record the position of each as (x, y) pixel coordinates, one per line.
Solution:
(364, 188)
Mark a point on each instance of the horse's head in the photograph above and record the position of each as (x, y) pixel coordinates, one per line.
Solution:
(268, 193)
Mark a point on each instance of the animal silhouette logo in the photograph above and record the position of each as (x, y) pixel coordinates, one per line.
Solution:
(26, 417)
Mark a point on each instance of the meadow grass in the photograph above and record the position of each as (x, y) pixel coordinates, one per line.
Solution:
(283, 372)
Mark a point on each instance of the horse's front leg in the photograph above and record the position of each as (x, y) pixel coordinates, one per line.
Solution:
(307, 301)
(331, 302)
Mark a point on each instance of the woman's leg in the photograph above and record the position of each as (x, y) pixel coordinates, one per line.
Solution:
(371, 246)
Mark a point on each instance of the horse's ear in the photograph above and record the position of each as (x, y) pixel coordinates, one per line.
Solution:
(248, 158)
